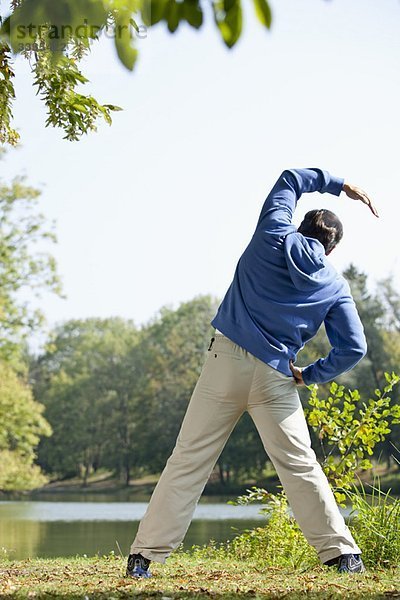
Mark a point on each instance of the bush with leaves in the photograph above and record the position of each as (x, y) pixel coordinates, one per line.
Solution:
(351, 428)
(280, 542)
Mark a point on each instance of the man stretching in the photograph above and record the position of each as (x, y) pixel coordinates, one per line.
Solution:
(282, 291)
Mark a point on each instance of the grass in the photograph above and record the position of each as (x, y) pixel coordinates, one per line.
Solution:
(185, 576)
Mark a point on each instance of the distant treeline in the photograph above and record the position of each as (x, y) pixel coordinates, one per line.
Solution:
(115, 395)
(106, 394)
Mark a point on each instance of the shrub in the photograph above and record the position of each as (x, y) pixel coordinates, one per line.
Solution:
(280, 542)
(351, 428)
(375, 523)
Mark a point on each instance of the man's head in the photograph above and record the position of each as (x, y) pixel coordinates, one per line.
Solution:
(323, 225)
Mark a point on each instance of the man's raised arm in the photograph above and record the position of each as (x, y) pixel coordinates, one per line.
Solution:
(278, 208)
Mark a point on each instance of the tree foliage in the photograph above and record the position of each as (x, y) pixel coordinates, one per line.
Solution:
(26, 267)
(8, 135)
(111, 390)
(27, 270)
(21, 427)
(372, 314)
(172, 353)
(54, 37)
(80, 380)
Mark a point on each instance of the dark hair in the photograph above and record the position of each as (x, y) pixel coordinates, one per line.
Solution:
(323, 225)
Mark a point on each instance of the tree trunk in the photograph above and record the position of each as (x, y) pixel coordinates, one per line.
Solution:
(86, 475)
(221, 474)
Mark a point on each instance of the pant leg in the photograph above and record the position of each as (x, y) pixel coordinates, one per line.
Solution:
(218, 401)
(276, 410)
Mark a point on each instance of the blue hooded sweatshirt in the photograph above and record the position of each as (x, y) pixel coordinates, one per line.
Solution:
(284, 288)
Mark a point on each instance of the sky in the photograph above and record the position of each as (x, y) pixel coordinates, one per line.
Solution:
(157, 208)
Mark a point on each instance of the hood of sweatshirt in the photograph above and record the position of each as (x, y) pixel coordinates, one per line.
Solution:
(306, 262)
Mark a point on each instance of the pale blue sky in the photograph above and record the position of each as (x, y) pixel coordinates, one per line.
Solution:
(158, 208)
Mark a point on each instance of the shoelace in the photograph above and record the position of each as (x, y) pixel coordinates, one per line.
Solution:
(349, 562)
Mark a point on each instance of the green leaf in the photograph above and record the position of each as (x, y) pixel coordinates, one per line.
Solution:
(192, 13)
(340, 498)
(229, 19)
(388, 377)
(80, 107)
(174, 12)
(264, 15)
(113, 107)
(123, 44)
(153, 11)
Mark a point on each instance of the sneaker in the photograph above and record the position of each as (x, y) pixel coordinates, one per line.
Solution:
(138, 566)
(347, 563)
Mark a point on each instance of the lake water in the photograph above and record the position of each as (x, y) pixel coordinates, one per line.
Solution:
(60, 527)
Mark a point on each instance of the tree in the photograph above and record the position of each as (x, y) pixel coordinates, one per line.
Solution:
(110, 390)
(372, 315)
(172, 349)
(54, 37)
(390, 298)
(21, 426)
(79, 380)
(379, 314)
(24, 266)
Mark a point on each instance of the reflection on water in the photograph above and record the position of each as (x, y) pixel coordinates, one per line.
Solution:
(29, 539)
(31, 529)
(20, 538)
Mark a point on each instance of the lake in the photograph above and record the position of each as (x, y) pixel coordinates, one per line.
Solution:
(67, 525)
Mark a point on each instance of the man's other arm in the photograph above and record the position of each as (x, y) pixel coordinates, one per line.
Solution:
(346, 336)
(277, 211)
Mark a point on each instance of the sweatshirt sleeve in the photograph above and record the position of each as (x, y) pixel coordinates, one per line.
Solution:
(277, 211)
(346, 336)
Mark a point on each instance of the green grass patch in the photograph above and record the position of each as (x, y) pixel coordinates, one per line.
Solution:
(185, 575)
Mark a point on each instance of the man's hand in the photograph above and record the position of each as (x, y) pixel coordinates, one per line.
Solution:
(298, 377)
(355, 193)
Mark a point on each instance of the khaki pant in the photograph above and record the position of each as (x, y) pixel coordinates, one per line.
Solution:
(231, 382)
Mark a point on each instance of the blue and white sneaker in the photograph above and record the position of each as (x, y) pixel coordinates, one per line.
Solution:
(347, 563)
(138, 566)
